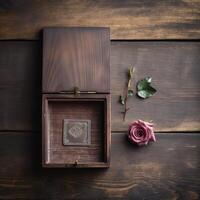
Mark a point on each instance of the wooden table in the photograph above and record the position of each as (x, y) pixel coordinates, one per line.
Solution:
(167, 169)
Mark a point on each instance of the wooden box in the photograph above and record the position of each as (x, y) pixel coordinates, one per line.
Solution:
(76, 97)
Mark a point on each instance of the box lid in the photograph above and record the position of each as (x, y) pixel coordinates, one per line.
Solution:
(76, 57)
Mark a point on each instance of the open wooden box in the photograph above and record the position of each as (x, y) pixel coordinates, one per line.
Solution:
(76, 97)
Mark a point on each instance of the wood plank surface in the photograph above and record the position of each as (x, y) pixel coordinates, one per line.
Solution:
(139, 19)
(20, 85)
(167, 169)
(174, 67)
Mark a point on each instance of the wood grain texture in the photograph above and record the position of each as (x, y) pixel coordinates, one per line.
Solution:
(167, 169)
(174, 67)
(76, 57)
(139, 19)
(96, 108)
(20, 85)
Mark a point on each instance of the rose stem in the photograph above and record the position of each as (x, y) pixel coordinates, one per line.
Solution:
(126, 98)
(127, 88)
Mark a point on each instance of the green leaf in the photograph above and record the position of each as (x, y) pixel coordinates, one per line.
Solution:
(122, 100)
(144, 88)
(130, 93)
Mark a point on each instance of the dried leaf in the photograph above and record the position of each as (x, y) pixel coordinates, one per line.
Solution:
(131, 72)
(130, 93)
(122, 100)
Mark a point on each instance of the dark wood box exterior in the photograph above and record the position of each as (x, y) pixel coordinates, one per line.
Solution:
(76, 58)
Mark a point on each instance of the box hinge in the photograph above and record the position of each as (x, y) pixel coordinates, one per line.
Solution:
(76, 91)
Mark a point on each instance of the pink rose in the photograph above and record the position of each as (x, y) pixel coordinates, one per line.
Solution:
(141, 133)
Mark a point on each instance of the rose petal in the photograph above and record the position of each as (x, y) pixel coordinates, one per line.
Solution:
(141, 132)
(153, 138)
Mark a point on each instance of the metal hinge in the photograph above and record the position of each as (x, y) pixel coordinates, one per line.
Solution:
(76, 91)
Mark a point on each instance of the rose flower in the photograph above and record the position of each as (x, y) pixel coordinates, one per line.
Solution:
(141, 132)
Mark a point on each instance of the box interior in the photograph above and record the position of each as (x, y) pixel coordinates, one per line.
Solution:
(57, 111)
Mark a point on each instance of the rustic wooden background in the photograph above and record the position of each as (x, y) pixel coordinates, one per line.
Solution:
(160, 38)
